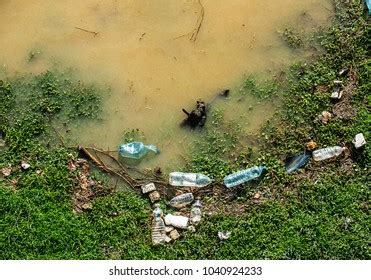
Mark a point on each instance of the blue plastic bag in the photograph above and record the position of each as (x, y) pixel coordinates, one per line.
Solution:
(296, 162)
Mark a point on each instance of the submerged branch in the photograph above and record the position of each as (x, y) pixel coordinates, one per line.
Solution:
(194, 33)
(87, 31)
(97, 160)
(200, 19)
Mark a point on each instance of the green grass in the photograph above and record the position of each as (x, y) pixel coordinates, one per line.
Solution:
(298, 217)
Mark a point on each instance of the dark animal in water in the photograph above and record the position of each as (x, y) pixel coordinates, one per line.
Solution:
(197, 117)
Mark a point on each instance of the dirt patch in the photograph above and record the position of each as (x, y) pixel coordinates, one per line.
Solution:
(86, 188)
(344, 109)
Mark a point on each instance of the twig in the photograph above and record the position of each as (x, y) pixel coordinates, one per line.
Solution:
(200, 19)
(88, 31)
(197, 28)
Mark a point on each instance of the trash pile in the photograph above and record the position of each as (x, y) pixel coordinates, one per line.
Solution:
(169, 227)
(188, 210)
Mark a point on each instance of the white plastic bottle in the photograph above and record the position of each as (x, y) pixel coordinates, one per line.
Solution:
(327, 153)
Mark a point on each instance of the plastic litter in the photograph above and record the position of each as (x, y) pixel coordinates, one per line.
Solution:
(224, 235)
(154, 196)
(181, 200)
(6, 171)
(181, 179)
(327, 153)
(168, 229)
(257, 195)
(158, 227)
(191, 229)
(196, 213)
(243, 176)
(174, 234)
(337, 90)
(148, 188)
(359, 141)
(176, 221)
(25, 165)
(136, 150)
(368, 3)
(296, 162)
(324, 117)
(344, 71)
(311, 145)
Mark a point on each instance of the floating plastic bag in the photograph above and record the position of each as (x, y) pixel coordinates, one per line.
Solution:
(136, 150)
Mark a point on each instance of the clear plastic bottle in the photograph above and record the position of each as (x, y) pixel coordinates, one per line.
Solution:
(327, 153)
(181, 200)
(181, 179)
(158, 226)
(243, 176)
(196, 213)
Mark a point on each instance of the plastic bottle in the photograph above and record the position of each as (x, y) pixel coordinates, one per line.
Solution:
(176, 221)
(296, 162)
(327, 153)
(243, 176)
(136, 150)
(158, 227)
(196, 212)
(181, 200)
(181, 179)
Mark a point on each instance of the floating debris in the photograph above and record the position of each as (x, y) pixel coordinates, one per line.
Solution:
(136, 150)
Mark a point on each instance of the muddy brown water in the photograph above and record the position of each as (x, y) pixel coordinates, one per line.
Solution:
(143, 52)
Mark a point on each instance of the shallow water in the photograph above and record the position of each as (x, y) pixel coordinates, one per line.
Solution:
(143, 52)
